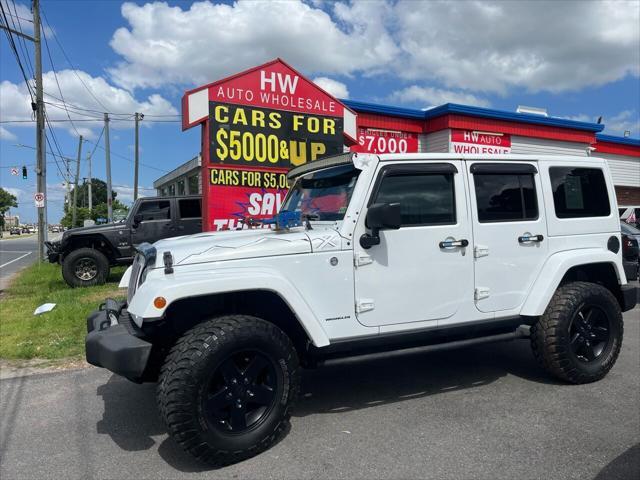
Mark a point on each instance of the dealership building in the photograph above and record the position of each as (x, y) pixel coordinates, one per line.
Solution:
(454, 128)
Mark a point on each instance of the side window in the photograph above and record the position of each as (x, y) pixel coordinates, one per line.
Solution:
(579, 192)
(505, 197)
(425, 198)
(189, 208)
(155, 210)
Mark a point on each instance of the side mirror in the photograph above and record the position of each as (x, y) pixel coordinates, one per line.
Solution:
(137, 218)
(380, 216)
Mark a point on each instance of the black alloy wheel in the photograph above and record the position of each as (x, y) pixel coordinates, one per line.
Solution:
(86, 269)
(589, 332)
(241, 392)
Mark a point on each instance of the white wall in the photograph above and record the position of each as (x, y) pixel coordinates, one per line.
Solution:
(436, 142)
(625, 170)
(532, 146)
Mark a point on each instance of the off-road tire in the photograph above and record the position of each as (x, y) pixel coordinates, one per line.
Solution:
(69, 267)
(183, 380)
(550, 340)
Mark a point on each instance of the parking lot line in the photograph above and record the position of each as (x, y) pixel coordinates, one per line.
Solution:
(15, 259)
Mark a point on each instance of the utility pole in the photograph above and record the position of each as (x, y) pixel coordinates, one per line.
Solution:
(107, 149)
(67, 197)
(89, 186)
(75, 188)
(41, 164)
(139, 117)
(38, 107)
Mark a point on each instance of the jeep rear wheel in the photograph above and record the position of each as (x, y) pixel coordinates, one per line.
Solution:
(579, 337)
(227, 387)
(85, 267)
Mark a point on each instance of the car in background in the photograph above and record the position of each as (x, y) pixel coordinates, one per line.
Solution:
(86, 254)
(15, 231)
(630, 215)
(630, 251)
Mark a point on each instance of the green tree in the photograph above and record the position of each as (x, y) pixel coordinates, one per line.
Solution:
(98, 194)
(7, 200)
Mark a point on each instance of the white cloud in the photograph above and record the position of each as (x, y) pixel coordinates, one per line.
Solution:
(627, 120)
(24, 20)
(492, 46)
(125, 193)
(334, 87)
(15, 102)
(436, 96)
(480, 46)
(6, 134)
(206, 41)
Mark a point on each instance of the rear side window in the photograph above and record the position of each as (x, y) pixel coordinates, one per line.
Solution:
(155, 210)
(189, 208)
(579, 192)
(425, 199)
(505, 197)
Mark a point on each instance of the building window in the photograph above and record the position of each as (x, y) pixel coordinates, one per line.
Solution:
(579, 192)
(194, 184)
(163, 192)
(171, 190)
(425, 198)
(505, 197)
(181, 187)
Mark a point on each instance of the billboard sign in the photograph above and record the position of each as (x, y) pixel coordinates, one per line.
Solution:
(255, 127)
(471, 141)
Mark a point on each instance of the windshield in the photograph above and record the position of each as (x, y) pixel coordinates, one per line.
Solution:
(323, 195)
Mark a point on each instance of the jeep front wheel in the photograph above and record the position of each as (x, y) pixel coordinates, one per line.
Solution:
(227, 387)
(85, 267)
(579, 337)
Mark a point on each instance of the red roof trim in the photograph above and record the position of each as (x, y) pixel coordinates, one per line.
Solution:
(368, 120)
(617, 149)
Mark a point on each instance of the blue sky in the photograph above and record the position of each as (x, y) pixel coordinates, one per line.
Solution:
(577, 59)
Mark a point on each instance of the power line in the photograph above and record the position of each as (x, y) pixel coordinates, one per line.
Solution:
(12, 44)
(128, 159)
(23, 43)
(55, 37)
(62, 120)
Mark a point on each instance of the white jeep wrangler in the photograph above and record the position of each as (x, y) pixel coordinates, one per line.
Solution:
(369, 253)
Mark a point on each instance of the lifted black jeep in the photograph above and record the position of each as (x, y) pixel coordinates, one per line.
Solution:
(87, 253)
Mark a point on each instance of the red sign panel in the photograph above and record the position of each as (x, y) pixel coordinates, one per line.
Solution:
(374, 140)
(257, 125)
(470, 141)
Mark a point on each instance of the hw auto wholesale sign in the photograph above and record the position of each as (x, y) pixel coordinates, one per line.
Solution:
(469, 141)
(256, 126)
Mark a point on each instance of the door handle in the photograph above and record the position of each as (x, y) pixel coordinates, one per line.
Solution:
(530, 238)
(454, 243)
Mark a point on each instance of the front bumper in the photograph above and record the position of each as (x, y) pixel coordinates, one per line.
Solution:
(630, 293)
(113, 342)
(53, 251)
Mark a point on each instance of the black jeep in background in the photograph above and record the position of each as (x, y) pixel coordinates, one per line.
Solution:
(87, 253)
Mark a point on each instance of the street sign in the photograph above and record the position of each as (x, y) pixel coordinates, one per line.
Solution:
(39, 199)
(14, 171)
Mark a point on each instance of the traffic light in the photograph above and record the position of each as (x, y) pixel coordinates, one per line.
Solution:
(24, 173)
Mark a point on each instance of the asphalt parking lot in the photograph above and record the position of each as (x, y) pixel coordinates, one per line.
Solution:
(485, 412)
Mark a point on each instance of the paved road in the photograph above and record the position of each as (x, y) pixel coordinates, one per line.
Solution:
(484, 412)
(17, 253)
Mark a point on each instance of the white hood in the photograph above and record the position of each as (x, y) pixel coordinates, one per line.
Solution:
(237, 244)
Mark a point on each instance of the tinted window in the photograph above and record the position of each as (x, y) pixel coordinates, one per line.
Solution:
(189, 208)
(505, 197)
(579, 192)
(425, 199)
(155, 210)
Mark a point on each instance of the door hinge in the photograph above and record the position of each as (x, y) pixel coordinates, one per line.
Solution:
(480, 293)
(480, 251)
(362, 259)
(364, 305)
